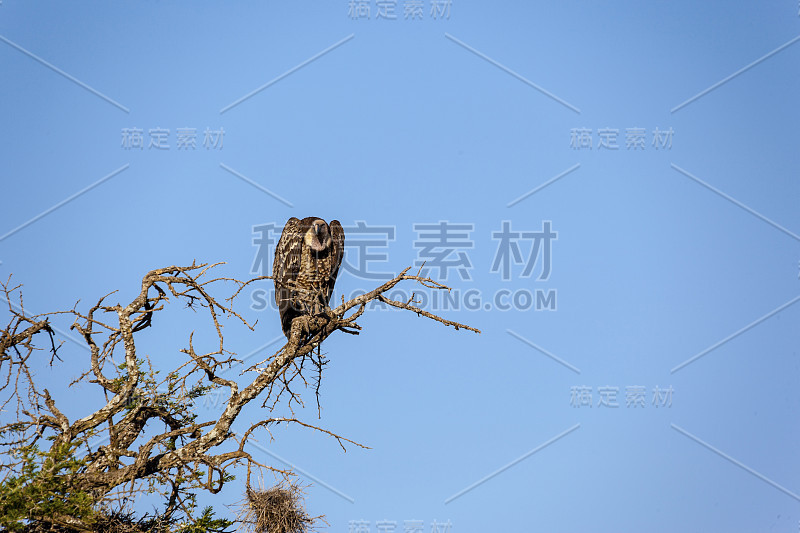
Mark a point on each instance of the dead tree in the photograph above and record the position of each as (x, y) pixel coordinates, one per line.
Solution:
(154, 441)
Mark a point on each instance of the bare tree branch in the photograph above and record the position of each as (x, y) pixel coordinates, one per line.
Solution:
(186, 454)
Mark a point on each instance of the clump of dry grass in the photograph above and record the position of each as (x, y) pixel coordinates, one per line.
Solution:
(278, 509)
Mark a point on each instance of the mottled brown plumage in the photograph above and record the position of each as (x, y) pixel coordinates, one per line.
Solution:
(306, 263)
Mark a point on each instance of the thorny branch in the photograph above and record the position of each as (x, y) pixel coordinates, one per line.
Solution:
(186, 454)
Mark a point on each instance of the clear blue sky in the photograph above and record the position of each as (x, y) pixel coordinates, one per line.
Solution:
(677, 229)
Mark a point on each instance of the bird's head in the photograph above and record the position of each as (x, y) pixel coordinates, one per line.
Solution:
(318, 236)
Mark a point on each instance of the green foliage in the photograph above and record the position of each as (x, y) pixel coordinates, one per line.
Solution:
(206, 523)
(43, 488)
(40, 490)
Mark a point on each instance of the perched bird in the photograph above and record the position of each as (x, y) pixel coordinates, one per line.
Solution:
(306, 263)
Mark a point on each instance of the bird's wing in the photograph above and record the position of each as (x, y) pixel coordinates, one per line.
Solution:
(337, 252)
(286, 266)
